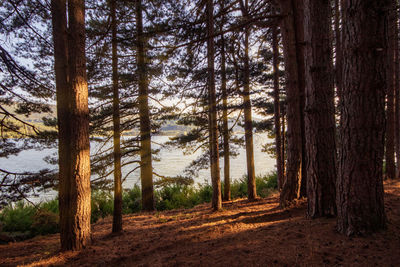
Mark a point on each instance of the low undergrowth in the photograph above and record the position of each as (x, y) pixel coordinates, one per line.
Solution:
(22, 220)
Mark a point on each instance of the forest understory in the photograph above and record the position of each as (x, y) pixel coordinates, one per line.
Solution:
(243, 234)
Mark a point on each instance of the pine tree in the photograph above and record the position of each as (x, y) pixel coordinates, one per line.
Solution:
(73, 123)
(359, 187)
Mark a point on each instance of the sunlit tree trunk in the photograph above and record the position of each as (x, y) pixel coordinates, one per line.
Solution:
(319, 110)
(212, 109)
(146, 169)
(117, 216)
(73, 123)
(359, 187)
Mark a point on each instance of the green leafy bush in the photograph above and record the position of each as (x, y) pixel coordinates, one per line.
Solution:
(17, 217)
(102, 205)
(132, 200)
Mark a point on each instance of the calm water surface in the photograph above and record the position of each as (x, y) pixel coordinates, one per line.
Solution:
(172, 163)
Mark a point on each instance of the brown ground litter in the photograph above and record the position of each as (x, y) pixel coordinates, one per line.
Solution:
(243, 234)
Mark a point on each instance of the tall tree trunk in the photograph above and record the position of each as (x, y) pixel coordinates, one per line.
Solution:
(117, 216)
(277, 110)
(283, 136)
(390, 110)
(338, 49)
(225, 129)
(319, 110)
(146, 169)
(359, 186)
(397, 92)
(248, 123)
(73, 123)
(291, 186)
(212, 108)
(298, 6)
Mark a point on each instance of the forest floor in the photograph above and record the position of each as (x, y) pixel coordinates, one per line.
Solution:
(243, 234)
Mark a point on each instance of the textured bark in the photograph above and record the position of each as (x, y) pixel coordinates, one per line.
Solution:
(359, 185)
(397, 93)
(248, 122)
(117, 216)
(389, 149)
(319, 110)
(73, 123)
(298, 6)
(291, 186)
(212, 109)
(338, 50)
(225, 129)
(277, 110)
(146, 169)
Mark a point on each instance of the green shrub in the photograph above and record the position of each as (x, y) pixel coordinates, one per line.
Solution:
(51, 205)
(102, 205)
(205, 193)
(132, 200)
(17, 217)
(239, 188)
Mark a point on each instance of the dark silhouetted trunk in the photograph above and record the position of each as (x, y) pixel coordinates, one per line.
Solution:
(291, 186)
(300, 47)
(277, 110)
(73, 123)
(397, 93)
(146, 169)
(338, 49)
(390, 109)
(117, 216)
(319, 110)
(248, 123)
(212, 109)
(360, 187)
(225, 129)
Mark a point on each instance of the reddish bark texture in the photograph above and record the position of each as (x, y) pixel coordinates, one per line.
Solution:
(146, 168)
(359, 186)
(294, 87)
(73, 123)
(319, 110)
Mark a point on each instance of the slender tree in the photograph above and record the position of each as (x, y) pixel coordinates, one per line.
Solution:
(225, 128)
(390, 109)
(212, 109)
(117, 216)
(277, 103)
(146, 169)
(319, 110)
(397, 90)
(359, 191)
(248, 123)
(73, 123)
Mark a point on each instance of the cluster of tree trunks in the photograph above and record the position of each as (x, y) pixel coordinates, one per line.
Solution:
(340, 177)
(366, 68)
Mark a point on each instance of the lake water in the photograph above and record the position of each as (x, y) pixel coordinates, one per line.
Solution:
(172, 163)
